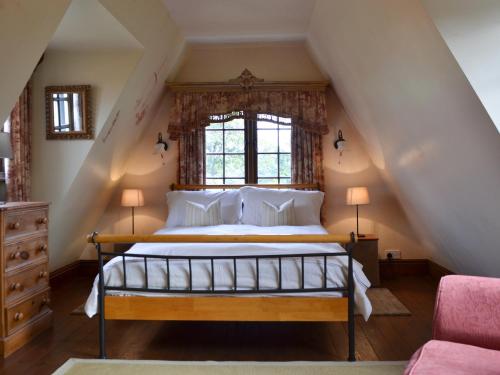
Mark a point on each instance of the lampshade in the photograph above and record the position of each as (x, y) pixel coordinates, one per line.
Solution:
(132, 198)
(357, 195)
(5, 147)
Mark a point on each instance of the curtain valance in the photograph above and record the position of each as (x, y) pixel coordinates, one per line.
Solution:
(195, 110)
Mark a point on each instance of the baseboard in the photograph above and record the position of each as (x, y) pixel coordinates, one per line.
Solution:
(60, 274)
(437, 271)
(390, 269)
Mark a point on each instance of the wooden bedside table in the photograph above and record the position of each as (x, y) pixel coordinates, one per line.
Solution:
(366, 253)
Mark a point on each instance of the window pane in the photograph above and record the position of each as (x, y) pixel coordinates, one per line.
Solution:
(214, 181)
(267, 165)
(235, 141)
(267, 140)
(285, 165)
(267, 181)
(213, 142)
(214, 126)
(266, 125)
(285, 181)
(237, 123)
(285, 140)
(235, 181)
(214, 166)
(235, 166)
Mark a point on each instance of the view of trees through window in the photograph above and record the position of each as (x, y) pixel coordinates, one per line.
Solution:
(248, 151)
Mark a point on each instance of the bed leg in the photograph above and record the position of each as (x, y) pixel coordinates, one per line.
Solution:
(102, 321)
(350, 302)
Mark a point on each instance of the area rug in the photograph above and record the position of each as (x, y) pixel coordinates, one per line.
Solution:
(131, 367)
(384, 303)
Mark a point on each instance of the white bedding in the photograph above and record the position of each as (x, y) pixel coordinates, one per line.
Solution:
(268, 269)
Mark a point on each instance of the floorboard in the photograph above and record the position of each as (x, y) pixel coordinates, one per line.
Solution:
(381, 338)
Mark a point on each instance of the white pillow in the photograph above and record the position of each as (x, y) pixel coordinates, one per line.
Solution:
(272, 215)
(230, 202)
(307, 204)
(198, 214)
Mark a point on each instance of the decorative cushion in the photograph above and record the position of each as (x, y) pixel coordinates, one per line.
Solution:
(307, 204)
(230, 205)
(198, 215)
(450, 358)
(272, 215)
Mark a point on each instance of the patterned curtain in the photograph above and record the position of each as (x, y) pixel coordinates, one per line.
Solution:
(192, 157)
(19, 171)
(307, 157)
(195, 110)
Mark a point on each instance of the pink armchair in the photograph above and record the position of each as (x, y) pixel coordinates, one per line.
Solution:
(466, 329)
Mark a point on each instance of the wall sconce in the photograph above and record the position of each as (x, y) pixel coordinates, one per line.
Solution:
(339, 143)
(160, 146)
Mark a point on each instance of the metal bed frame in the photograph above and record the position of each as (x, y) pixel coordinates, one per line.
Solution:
(124, 307)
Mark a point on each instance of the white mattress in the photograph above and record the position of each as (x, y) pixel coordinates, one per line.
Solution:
(224, 278)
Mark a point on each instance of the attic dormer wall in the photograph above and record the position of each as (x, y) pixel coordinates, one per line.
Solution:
(424, 126)
(271, 61)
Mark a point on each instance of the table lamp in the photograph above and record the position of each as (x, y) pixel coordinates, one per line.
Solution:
(132, 198)
(357, 196)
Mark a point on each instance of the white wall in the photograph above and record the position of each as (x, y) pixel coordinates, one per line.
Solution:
(26, 27)
(427, 132)
(275, 61)
(90, 178)
(471, 29)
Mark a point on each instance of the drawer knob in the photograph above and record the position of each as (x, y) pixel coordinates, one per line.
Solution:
(43, 248)
(15, 225)
(18, 316)
(45, 301)
(42, 220)
(15, 255)
(16, 286)
(43, 274)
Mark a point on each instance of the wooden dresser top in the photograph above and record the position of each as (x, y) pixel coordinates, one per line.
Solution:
(17, 205)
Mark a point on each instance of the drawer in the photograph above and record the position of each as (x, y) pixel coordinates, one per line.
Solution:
(23, 312)
(25, 222)
(24, 252)
(23, 283)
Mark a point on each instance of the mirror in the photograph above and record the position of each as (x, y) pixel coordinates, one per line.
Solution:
(68, 113)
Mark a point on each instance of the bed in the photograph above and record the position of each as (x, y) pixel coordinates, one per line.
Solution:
(230, 272)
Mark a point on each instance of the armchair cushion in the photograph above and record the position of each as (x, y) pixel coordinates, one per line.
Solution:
(467, 311)
(450, 358)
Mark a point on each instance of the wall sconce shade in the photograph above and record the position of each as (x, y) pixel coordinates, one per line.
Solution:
(5, 146)
(357, 196)
(132, 198)
(160, 146)
(339, 143)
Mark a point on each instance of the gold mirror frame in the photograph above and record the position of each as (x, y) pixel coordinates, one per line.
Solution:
(87, 125)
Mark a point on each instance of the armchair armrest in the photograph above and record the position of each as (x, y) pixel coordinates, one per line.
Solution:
(467, 311)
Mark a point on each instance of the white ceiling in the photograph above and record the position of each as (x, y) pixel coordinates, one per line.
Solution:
(241, 20)
(87, 25)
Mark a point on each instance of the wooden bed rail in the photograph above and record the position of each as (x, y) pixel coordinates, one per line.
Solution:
(206, 238)
(268, 186)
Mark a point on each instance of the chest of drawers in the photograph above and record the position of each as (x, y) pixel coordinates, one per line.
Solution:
(24, 279)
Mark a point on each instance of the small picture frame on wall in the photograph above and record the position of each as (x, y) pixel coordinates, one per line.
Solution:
(68, 112)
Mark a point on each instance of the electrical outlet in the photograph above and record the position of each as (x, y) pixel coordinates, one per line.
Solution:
(393, 254)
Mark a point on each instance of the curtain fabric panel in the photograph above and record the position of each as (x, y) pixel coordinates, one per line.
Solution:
(192, 157)
(19, 172)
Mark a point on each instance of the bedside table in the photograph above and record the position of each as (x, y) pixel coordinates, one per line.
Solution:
(366, 252)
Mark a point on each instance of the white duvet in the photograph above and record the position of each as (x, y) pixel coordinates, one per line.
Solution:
(246, 269)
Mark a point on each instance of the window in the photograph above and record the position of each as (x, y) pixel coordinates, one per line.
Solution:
(256, 150)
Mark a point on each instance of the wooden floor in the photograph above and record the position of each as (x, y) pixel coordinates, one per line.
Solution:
(381, 338)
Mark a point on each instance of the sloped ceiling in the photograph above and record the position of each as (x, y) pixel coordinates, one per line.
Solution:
(426, 128)
(471, 29)
(241, 20)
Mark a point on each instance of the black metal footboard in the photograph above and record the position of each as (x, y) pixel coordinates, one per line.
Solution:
(346, 290)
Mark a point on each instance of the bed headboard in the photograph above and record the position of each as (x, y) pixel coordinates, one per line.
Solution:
(269, 186)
